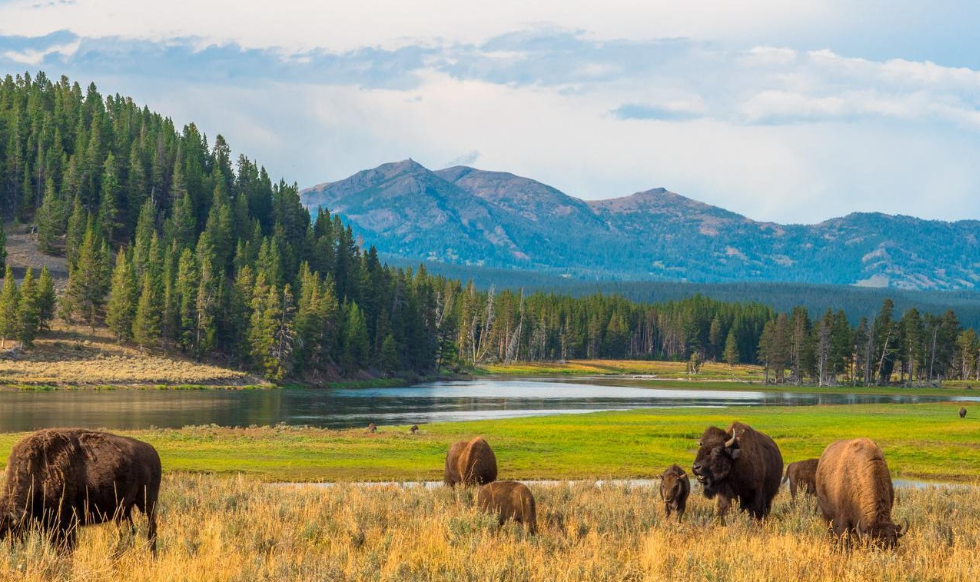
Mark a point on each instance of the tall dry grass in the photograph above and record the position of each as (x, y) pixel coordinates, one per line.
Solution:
(238, 529)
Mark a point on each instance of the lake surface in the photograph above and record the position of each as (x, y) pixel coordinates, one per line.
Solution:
(340, 408)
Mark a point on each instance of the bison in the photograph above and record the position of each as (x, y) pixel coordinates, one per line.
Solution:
(470, 463)
(509, 500)
(59, 479)
(372, 428)
(802, 475)
(414, 429)
(854, 490)
(674, 489)
(962, 412)
(740, 463)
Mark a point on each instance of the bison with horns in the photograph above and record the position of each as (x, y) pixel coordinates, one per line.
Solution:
(854, 490)
(470, 463)
(740, 463)
(58, 479)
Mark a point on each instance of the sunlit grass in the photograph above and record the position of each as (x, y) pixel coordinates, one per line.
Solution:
(708, 371)
(214, 528)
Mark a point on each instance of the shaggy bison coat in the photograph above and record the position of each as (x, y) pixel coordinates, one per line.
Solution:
(740, 463)
(802, 475)
(854, 490)
(674, 489)
(470, 463)
(58, 479)
(962, 412)
(509, 500)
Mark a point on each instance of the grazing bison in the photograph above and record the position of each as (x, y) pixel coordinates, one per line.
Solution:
(854, 490)
(962, 412)
(509, 500)
(372, 428)
(740, 463)
(674, 489)
(414, 429)
(59, 479)
(802, 475)
(470, 463)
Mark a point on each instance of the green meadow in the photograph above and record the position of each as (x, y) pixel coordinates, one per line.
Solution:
(920, 441)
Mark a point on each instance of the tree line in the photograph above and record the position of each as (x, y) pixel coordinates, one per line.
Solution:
(172, 244)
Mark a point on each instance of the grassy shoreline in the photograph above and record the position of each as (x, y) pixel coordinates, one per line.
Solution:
(920, 441)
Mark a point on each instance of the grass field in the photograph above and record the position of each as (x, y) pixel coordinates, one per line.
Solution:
(667, 370)
(239, 529)
(922, 441)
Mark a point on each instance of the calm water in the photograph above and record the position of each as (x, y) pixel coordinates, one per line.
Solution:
(436, 401)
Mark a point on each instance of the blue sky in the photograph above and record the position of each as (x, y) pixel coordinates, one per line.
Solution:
(780, 110)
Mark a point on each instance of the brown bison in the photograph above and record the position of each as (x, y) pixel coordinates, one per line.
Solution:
(962, 412)
(414, 429)
(740, 463)
(372, 428)
(854, 490)
(59, 479)
(470, 463)
(509, 500)
(674, 489)
(802, 475)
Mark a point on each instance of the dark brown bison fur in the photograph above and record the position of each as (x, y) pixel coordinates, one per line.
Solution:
(58, 479)
(414, 429)
(854, 490)
(470, 463)
(509, 500)
(962, 412)
(372, 428)
(802, 475)
(740, 463)
(674, 489)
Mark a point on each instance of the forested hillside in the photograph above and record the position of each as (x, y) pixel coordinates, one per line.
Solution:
(174, 245)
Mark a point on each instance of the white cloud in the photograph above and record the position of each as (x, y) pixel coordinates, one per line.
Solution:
(35, 57)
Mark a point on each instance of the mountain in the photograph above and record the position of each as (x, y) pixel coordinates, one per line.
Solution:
(466, 216)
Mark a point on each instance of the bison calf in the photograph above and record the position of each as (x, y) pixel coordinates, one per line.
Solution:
(509, 500)
(740, 463)
(470, 463)
(854, 490)
(674, 489)
(59, 479)
(802, 475)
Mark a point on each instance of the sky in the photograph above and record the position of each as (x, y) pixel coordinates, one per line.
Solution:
(782, 110)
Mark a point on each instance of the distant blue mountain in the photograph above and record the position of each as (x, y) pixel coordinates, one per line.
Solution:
(465, 216)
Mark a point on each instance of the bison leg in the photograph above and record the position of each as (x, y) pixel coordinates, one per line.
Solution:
(792, 489)
(667, 509)
(722, 505)
(681, 508)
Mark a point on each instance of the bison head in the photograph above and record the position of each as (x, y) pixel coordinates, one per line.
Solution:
(884, 534)
(670, 486)
(716, 457)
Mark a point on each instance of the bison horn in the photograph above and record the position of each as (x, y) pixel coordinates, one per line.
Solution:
(904, 530)
(732, 441)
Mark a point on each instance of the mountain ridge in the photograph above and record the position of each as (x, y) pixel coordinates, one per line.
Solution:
(464, 215)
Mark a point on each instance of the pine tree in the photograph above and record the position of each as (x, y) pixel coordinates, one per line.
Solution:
(85, 295)
(46, 298)
(146, 323)
(356, 345)
(389, 356)
(204, 308)
(731, 348)
(75, 233)
(52, 220)
(110, 213)
(121, 307)
(9, 308)
(29, 315)
(3, 247)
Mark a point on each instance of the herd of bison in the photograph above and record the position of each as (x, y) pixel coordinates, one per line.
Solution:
(59, 479)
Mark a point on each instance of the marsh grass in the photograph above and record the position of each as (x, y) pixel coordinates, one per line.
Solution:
(709, 370)
(216, 528)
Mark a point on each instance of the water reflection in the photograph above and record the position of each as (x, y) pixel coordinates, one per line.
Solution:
(436, 401)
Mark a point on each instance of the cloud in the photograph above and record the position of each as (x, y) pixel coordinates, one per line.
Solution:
(466, 159)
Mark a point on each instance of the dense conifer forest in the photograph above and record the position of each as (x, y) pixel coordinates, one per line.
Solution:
(174, 244)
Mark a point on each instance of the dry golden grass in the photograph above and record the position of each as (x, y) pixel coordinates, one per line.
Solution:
(238, 529)
(74, 355)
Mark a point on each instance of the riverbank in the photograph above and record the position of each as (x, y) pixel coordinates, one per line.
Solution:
(236, 529)
(921, 441)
